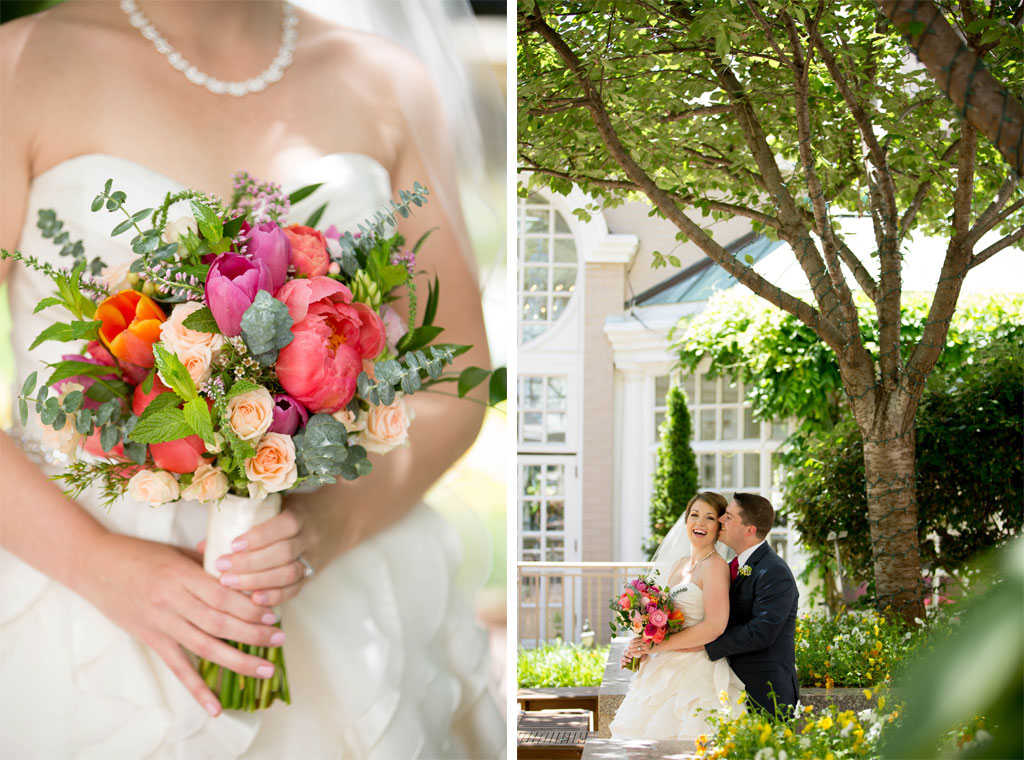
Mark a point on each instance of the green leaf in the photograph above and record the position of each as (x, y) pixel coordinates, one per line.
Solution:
(498, 390)
(161, 402)
(471, 377)
(58, 331)
(233, 226)
(72, 368)
(124, 226)
(314, 218)
(138, 216)
(174, 374)
(240, 387)
(29, 385)
(81, 330)
(303, 192)
(202, 320)
(163, 425)
(266, 328)
(135, 451)
(108, 390)
(433, 294)
(73, 401)
(109, 436)
(83, 422)
(209, 224)
(197, 415)
(23, 411)
(418, 338)
(47, 303)
(147, 384)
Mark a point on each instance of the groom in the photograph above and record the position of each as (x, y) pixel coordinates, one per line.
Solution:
(759, 638)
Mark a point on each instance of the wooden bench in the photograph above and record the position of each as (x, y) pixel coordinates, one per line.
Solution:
(560, 698)
(551, 735)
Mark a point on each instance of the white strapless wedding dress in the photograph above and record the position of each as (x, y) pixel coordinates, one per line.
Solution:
(674, 692)
(383, 658)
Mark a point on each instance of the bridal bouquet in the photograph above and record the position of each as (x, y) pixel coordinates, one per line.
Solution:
(235, 357)
(647, 610)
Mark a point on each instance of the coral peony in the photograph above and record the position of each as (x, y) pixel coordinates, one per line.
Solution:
(332, 337)
(131, 325)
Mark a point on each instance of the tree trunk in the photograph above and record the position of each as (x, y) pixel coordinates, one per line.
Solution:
(889, 468)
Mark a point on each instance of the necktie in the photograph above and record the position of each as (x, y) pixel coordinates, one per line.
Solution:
(734, 567)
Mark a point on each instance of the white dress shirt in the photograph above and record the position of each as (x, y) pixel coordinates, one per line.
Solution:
(742, 559)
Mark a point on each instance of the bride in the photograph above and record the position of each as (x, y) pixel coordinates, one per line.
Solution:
(100, 610)
(674, 691)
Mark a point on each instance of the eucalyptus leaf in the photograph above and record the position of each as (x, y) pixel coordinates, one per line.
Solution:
(23, 411)
(29, 384)
(266, 328)
(109, 436)
(73, 401)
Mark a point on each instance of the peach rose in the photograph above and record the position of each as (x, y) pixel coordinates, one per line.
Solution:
(198, 360)
(67, 439)
(386, 426)
(154, 486)
(176, 337)
(250, 414)
(309, 250)
(273, 467)
(354, 423)
(209, 483)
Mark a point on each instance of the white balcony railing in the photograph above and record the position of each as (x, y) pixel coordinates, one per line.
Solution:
(555, 599)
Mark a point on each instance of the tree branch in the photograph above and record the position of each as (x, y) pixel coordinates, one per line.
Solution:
(990, 217)
(964, 182)
(744, 274)
(985, 102)
(996, 247)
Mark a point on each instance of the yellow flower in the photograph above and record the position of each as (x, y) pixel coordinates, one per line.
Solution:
(766, 732)
(808, 708)
(881, 702)
(788, 734)
(723, 697)
(742, 698)
(825, 723)
(829, 756)
(867, 693)
(878, 644)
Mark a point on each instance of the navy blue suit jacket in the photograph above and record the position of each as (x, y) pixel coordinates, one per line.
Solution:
(759, 639)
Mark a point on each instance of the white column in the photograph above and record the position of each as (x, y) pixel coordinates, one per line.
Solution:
(634, 506)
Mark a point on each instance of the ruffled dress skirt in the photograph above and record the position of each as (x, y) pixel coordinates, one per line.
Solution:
(672, 696)
(383, 658)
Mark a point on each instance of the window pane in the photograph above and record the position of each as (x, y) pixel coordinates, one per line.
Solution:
(780, 430)
(534, 308)
(751, 470)
(555, 480)
(565, 250)
(536, 249)
(532, 331)
(777, 474)
(707, 471)
(531, 549)
(560, 224)
(708, 390)
(556, 427)
(533, 390)
(730, 391)
(535, 278)
(531, 480)
(556, 393)
(661, 386)
(658, 419)
(531, 515)
(728, 471)
(729, 427)
(537, 220)
(556, 516)
(563, 279)
(555, 551)
(751, 428)
(707, 424)
(558, 305)
(533, 427)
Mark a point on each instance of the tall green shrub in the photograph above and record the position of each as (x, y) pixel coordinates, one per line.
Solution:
(675, 480)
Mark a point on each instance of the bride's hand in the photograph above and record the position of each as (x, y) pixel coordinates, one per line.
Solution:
(637, 648)
(165, 598)
(265, 559)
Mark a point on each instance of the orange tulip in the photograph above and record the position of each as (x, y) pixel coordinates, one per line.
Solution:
(131, 325)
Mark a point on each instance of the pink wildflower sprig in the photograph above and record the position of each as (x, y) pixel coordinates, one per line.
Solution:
(260, 201)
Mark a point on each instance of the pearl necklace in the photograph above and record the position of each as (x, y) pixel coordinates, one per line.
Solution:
(259, 83)
(693, 566)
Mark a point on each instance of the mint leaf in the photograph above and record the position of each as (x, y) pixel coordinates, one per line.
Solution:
(202, 321)
(197, 415)
(174, 374)
(163, 425)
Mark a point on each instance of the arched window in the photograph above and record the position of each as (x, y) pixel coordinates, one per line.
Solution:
(547, 266)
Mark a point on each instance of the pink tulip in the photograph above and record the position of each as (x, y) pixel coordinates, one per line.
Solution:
(332, 338)
(231, 287)
(289, 415)
(268, 243)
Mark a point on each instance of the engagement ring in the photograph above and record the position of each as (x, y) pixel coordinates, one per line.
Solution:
(307, 569)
